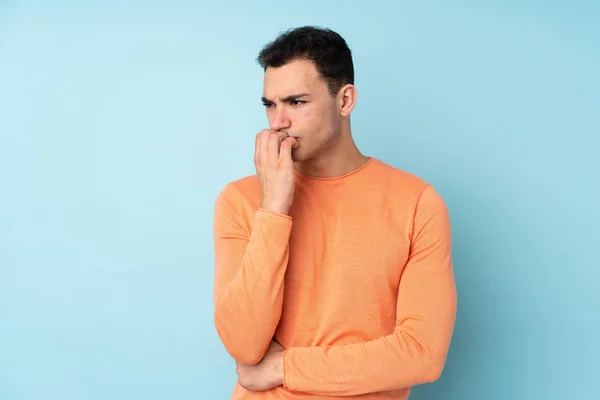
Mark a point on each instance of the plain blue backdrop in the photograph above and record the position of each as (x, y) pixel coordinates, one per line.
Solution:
(121, 120)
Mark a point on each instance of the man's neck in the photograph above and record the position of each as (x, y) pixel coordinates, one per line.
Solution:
(344, 158)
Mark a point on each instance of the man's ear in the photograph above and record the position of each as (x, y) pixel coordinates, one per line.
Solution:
(347, 100)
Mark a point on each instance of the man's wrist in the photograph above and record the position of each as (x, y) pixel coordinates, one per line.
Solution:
(274, 208)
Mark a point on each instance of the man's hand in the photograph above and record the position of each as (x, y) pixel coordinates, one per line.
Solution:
(275, 168)
(265, 375)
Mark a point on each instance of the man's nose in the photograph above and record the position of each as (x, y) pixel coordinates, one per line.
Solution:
(280, 120)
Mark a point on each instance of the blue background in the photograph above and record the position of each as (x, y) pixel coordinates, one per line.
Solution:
(121, 121)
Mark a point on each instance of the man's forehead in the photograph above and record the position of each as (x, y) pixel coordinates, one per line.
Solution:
(290, 79)
(281, 89)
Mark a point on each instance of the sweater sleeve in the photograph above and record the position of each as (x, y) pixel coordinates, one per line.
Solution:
(250, 265)
(415, 352)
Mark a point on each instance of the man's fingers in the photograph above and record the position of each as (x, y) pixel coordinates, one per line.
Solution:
(264, 145)
(275, 140)
(286, 148)
(268, 146)
(257, 148)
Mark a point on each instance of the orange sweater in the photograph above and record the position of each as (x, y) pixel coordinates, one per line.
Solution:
(356, 283)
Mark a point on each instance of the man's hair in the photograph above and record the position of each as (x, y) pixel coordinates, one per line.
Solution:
(324, 47)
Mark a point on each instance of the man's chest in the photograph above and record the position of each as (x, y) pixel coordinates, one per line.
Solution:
(365, 251)
(341, 282)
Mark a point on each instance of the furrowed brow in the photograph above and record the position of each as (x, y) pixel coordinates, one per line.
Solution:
(294, 97)
(286, 99)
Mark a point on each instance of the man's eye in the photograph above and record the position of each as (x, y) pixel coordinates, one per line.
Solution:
(267, 105)
(297, 102)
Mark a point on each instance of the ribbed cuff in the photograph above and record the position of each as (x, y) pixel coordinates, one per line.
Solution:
(263, 211)
(285, 383)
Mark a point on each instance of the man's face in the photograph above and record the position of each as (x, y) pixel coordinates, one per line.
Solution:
(298, 102)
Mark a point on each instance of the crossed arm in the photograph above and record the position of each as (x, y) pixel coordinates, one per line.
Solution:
(414, 353)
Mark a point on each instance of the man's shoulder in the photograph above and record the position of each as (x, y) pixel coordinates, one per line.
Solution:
(246, 189)
(397, 178)
(407, 188)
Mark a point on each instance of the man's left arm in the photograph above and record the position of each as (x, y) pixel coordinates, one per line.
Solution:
(415, 352)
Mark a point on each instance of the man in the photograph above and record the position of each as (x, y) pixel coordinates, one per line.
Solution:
(333, 269)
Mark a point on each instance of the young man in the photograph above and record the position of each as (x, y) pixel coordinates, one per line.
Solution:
(333, 269)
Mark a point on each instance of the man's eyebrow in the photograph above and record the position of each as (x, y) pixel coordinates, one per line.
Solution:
(287, 99)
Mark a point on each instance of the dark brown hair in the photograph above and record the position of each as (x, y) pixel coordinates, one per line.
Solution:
(326, 48)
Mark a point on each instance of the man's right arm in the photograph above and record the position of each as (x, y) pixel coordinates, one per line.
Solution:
(250, 265)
